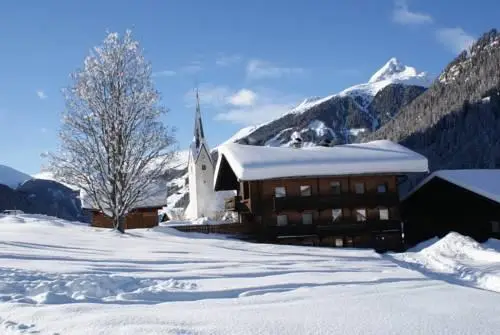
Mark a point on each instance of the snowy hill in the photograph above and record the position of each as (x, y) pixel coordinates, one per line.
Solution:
(12, 177)
(62, 278)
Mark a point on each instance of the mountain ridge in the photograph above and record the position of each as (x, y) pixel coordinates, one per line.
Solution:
(455, 123)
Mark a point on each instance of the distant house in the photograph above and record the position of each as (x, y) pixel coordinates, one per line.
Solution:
(464, 201)
(346, 195)
(143, 215)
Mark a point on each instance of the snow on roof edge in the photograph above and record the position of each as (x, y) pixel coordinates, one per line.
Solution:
(445, 175)
(374, 157)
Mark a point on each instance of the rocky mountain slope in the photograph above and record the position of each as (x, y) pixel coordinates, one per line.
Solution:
(341, 117)
(38, 196)
(456, 122)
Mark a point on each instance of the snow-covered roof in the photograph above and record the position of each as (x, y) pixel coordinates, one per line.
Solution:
(257, 163)
(485, 182)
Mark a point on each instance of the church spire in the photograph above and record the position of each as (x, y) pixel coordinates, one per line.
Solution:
(199, 136)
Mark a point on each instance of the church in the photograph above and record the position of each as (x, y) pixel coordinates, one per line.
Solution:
(202, 198)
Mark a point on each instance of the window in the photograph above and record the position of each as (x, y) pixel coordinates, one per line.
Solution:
(336, 214)
(339, 242)
(383, 214)
(246, 190)
(203, 167)
(361, 214)
(381, 188)
(279, 192)
(305, 190)
(359, 188)
(281, 220)
(495, 227)
(307, 218)
(335, 186)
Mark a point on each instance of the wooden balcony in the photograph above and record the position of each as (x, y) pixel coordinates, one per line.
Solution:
(344, 227)
(344, 200)
(236, 204)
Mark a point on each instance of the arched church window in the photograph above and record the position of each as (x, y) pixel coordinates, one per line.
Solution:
(203, 167)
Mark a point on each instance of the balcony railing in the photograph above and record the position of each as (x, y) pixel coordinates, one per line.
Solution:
(343, 227)
(321, 202)
(235, 204)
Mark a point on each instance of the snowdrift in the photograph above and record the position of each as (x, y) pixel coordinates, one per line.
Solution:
(457, 259)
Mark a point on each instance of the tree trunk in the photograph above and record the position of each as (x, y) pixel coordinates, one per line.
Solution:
(120, 224)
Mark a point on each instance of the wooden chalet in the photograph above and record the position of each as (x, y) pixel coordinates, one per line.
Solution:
(345, 196)
(143, 215)
(463, 201)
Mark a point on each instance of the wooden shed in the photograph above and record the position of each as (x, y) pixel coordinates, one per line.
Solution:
(463, 201)
(143, 215)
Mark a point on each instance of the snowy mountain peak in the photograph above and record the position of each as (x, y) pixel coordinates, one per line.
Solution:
(394, 69)
(309, 100)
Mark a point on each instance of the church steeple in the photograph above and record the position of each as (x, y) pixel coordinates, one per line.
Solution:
(200, 173)
(199, 136)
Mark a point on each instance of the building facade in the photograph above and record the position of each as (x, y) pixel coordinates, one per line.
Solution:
(322, 196)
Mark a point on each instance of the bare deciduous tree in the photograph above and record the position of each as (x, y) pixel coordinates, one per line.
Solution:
(113, 145)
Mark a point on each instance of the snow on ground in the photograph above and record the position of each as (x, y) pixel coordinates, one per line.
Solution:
(61, 278)
(458, 259)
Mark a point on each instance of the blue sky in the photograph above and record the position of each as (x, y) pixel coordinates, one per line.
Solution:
(252, 60)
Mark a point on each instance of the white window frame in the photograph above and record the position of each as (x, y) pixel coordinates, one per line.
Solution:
(304, 188)
(283, 222)
(384, 216)
(360, 213)
(334, 185)
(340, 213)
(356, 188)
(278, 194)
(308, 214)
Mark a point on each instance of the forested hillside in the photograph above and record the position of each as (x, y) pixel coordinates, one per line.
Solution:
(456, 122)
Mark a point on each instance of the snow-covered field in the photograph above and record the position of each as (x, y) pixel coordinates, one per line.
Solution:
(62, 278)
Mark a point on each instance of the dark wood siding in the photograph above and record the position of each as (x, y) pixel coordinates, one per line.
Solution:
(261, 208)
(440, 207)
(138, 218)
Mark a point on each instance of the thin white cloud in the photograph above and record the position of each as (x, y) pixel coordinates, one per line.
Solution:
(44, 130)
(259, 69)
(188, 69)
(227, 60)
(455, 39)
(244, 106)
(41, 94)
(402, 15)
(243, 97)
(165, 73)
(254, 114)
(210, 95)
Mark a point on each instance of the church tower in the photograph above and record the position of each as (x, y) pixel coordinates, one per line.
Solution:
(201, 173)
